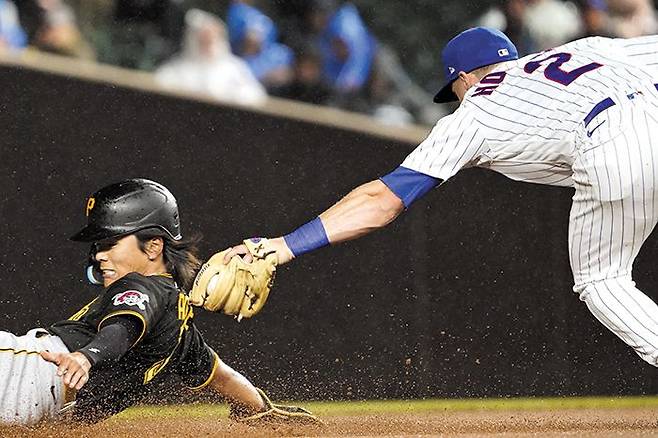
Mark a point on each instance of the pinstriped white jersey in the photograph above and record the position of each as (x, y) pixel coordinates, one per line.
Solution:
(521, 119)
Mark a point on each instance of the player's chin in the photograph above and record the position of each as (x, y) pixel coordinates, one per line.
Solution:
(111, 276)
(108, 280)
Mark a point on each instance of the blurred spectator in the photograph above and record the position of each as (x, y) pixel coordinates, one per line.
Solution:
(535, 25)
(394, 97)
(349, 70)
(12, 35)
(509, 17)
(618, 18)
(390, 95)
(596, 21)
(143, 33)
(206, 64)
(253, 37)
(552, 22)
(348, 48)
(56, 30)
(307, 84)
(631, 18)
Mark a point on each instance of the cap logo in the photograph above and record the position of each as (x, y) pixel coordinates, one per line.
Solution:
(451, 70)
(503, 52)
(90, 205)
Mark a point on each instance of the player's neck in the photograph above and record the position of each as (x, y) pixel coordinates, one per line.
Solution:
(155, 267)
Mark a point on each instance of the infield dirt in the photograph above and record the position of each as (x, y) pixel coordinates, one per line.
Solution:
(581, 423)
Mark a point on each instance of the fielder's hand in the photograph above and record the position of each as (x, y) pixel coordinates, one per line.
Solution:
(74, 367)
(278, 246)
(236, 288)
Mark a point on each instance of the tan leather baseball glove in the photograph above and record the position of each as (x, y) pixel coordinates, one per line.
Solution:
(238, 288)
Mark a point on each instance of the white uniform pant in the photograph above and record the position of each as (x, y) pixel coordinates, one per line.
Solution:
(615, 208)
(30, 390)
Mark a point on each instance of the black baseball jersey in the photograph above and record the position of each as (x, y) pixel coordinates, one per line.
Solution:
(170, 346)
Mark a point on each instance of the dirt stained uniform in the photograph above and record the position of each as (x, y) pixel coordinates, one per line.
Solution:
(581, 115)
(169, 345)
(30, 390)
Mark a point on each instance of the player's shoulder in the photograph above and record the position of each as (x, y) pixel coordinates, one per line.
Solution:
(131, 279)
(587, 44)
(143, 292)
(151, 284)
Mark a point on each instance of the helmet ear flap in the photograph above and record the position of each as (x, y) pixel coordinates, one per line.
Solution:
(93, 271)
(94, 275)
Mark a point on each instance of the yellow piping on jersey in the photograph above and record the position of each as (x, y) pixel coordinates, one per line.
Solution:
(185, 313)
(80, 313)
(16, 352)
(212, 374)
(126, 312)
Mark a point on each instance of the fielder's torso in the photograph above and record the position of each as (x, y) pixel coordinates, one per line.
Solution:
(522, 119)
(169, 345)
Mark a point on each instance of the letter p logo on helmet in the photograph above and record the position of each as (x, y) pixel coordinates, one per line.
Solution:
(90, 205)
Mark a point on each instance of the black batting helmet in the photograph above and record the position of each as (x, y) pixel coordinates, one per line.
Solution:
(127, 207)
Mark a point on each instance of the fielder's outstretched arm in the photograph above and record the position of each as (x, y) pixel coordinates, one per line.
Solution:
(368, 207)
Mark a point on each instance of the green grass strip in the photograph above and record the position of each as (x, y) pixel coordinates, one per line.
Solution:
(501, 404)
(324, 408)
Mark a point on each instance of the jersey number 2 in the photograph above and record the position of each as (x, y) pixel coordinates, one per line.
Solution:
(554, 72)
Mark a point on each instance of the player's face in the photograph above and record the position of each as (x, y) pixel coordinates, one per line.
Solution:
(118, 257)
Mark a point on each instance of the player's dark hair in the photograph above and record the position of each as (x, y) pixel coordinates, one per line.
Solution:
(181, 257)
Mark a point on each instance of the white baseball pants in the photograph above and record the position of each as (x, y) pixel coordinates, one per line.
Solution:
(615, 208)
(30, 390)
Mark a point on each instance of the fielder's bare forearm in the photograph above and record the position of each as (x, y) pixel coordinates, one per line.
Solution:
(368, 207)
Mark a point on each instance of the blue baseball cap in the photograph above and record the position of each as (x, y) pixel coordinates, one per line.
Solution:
(470, 50)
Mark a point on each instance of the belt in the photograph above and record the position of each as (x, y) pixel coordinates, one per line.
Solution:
(605, 104)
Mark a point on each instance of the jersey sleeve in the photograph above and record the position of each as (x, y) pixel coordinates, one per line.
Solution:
(128, 296)
(409, 185)
(455, 142)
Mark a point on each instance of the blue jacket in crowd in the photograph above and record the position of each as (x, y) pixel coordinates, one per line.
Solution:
(350, 74)
(10, 29)
(243, 19)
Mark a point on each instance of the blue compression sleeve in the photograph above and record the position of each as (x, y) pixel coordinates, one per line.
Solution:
(306, 238)
(409, 185)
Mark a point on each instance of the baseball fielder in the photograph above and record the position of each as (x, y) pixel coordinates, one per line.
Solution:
(580, 115)
(137, 331)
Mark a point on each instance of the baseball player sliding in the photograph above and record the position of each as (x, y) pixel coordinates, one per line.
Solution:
(137, 331)
(580, 115)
